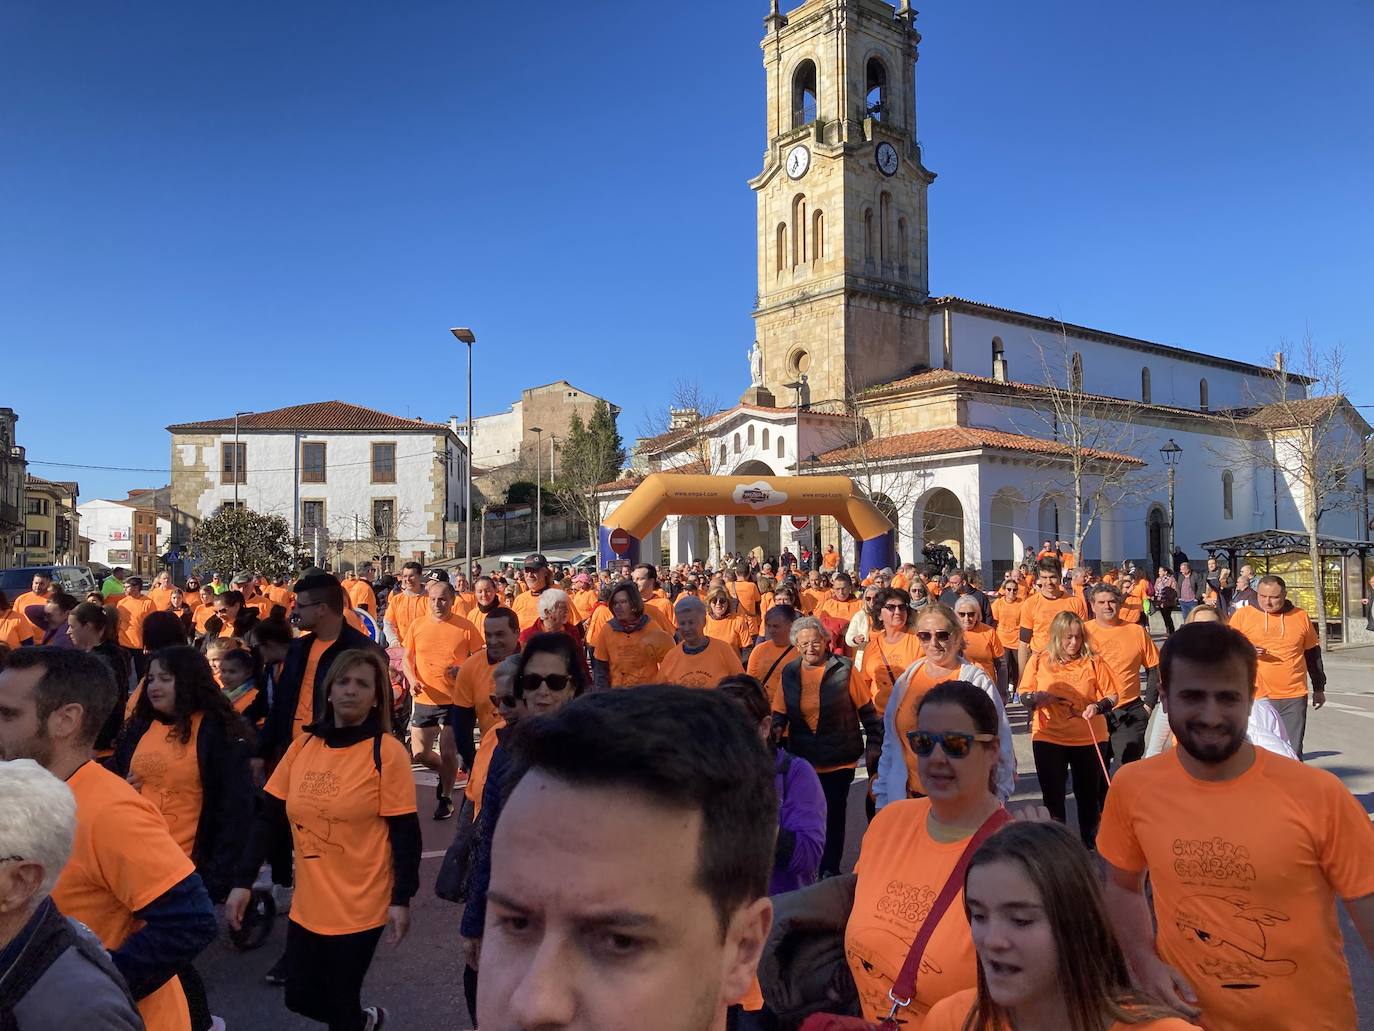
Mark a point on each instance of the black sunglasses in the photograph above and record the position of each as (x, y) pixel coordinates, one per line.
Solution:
(926, 636)
(504, 701)
(897, 607)
(530, 682)
(956, 744)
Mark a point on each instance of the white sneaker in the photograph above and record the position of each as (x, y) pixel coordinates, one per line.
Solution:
(376, 1018)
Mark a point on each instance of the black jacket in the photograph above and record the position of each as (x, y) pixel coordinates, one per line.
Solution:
(228, 802)
(276, 732)
(839, 734)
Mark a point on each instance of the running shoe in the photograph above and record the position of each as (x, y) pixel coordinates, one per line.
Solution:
(444, 809)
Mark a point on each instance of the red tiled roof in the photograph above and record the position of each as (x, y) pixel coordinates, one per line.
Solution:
(321, 415)
(1299, 412)
(960, 438)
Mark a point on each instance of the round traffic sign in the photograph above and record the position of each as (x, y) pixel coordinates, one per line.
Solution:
(801, 522)
(620, 540)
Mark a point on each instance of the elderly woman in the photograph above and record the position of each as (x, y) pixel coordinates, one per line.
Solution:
(826, 713)
(941, 636)
(862, 625)
(982, 646)
(556, 616)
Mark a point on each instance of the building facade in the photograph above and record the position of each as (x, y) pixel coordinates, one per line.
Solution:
(499, 440)
(51, 524)
(13, 468)
(981, 428)
(355, 485)
(128, 534)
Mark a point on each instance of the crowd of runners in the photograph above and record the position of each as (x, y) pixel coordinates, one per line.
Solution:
(649, 773)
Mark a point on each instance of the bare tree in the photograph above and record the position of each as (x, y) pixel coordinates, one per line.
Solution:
(1303, 429)
(1097, 466)
(682, 439)
(363, 535)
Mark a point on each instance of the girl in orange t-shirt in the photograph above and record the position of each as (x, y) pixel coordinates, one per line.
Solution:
(345, 794)
(187, 751)
(1067, 693)
(1034, 902)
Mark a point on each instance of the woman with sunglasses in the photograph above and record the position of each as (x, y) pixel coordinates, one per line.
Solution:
(982, 647)
(1047, 956)
(892, 647)
(915, 844)
(822, 710)
(548, 676)
(1068, 693)
(723, 624)
(862, 625)
(941, 637)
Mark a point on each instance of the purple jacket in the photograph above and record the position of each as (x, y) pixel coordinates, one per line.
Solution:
(801, 824)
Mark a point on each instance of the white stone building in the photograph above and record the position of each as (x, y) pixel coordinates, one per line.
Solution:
(949, 412)
(354, 484)
(121, 534)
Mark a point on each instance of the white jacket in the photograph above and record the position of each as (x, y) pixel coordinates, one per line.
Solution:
(890, 782)
(1265, 730)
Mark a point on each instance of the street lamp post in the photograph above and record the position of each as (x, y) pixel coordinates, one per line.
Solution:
(798, 386)
(1171, 453)
(236, 456)
(465, 336)
(538, 488)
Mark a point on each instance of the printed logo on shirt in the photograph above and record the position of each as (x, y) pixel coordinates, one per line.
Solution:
(1213, 861)
(320, 784)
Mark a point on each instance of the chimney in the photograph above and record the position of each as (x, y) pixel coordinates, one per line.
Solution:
(1278, 361)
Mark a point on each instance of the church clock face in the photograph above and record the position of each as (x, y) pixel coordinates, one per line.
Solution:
(798, 161)
(886, 155)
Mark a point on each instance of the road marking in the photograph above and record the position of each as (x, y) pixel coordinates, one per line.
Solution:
(1341, 706)
(435, 854)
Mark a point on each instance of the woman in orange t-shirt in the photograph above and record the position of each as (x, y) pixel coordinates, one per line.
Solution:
(913, 847)
(345, 794)
(982, 646)
(891, 648)
(1067, 693)
(722, 625)
(1033, 898)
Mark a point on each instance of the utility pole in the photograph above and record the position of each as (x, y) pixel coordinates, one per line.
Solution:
(465, 336)
(538, 488)
(236, 456)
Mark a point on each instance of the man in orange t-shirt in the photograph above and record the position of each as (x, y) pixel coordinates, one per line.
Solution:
(1039, 610)
(161, 591)
(1289, 654)
(401, 608)
(1123, 650)
(42, 591)
(124, 860)
(1246, 853)
(359, 591)
(697, 660)
(748, 599)
(133, 609)
(1006, 617)
(475, 685)
(831, 559)
(436, 645)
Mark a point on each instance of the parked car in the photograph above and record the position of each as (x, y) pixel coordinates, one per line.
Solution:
(75, 580)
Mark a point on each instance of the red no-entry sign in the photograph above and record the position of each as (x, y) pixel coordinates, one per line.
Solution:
(620, 540)
(801, 522)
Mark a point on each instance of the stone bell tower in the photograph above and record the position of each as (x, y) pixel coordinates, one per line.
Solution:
(842, 242)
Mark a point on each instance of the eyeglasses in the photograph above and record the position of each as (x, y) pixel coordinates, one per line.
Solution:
(531, 682)
(898, 607)
(504, 701)
(956, 744)
(926, 636)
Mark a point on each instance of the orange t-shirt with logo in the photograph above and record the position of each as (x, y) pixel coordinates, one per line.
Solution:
(1122, 650)
(923, 678)
(950, 1014)
(732, 630)
(1285, 638)
(983, 647)
(634, 658)
(337, 805)
(706, 668)
(434, 645)
(1245, 875)
(122, 861)
(1008, 617)
(170, 773)
(901, 870)
(885, 662)
(132, 613)
(305, 703)
(1037, 612)
(768, 656)
(1077, 683)
(473, 688)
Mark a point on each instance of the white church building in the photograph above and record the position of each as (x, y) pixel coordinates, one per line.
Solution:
(969, 424)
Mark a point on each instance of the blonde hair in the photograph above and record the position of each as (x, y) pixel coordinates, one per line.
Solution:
(1059, 626)
(223, 645)
(956, 629)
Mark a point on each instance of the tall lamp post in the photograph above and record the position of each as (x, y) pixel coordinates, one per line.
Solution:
(236, 456)
(799, 385)
(1171, 453)
(538, 488)
(465, 336)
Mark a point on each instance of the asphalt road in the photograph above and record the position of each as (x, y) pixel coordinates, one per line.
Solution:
(420, 980)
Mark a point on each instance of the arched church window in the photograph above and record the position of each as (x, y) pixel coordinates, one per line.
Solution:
(884, 222)
(736, 443)
(1145, 384)
(868, 234)
(782, 246)
(1076, 373)
(749, 436)
(779, 447)
(817, 236)
(798, 230)
(1202, 399)
(804, 94)
(875, 93)
(765, 440)
(1228, 489)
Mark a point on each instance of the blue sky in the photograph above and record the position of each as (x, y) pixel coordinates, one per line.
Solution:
(246, 204)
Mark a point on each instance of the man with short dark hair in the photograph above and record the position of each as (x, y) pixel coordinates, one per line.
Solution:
(959, 586)
(1124, 649)
(127, 879)
(1289, 655)
(410, 602)
(41, 590)
(1190, 589)
(1038, 611)
(1246, 853)
(133, 609)
(591, 788)
(656, 604)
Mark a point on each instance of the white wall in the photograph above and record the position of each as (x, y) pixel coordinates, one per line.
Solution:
(100, 520)
(496, 438)
(272, 473)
